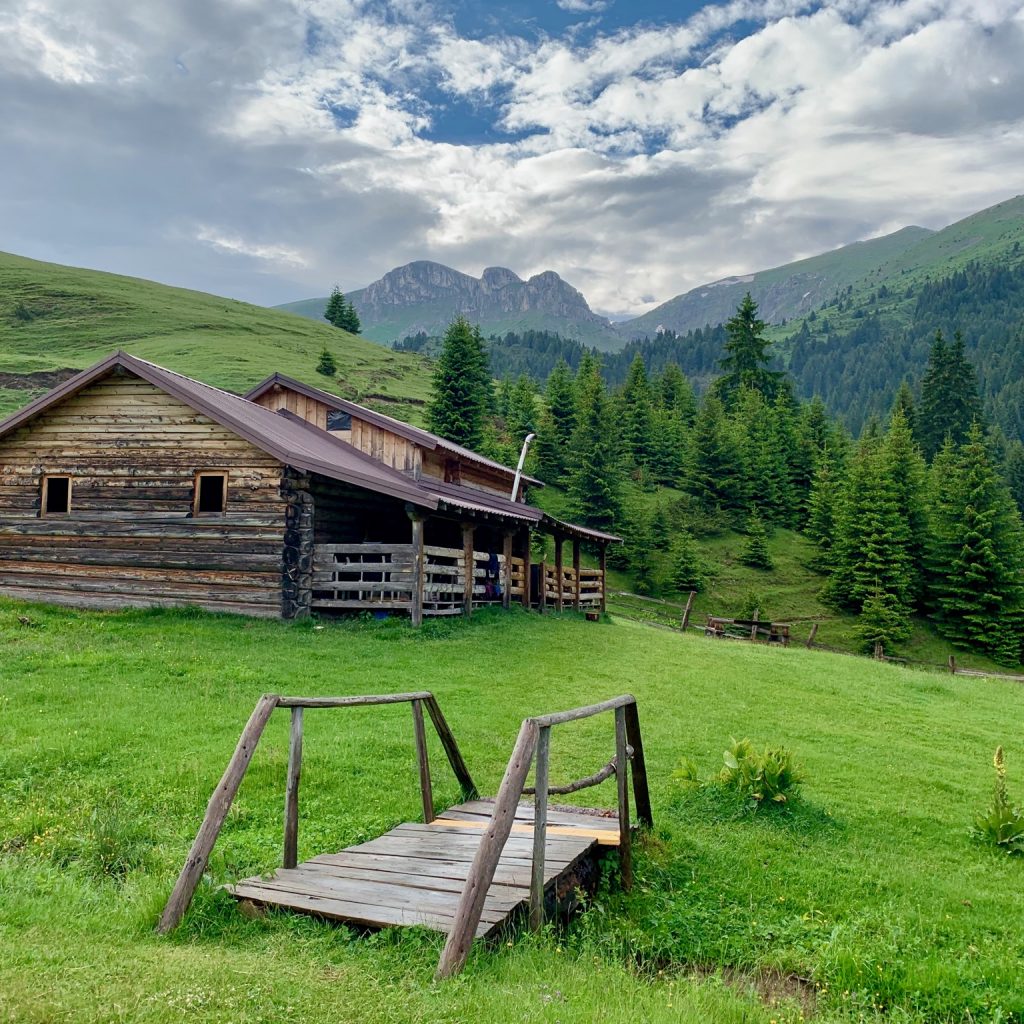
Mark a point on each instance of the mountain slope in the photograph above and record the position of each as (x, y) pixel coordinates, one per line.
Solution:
(426, 296)
(782, 292)
(55, 318)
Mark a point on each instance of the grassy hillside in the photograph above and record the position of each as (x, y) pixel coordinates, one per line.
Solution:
(54, 317)
(864, 901)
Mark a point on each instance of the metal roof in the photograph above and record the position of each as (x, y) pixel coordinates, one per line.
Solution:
(417, 435)
(287, 438)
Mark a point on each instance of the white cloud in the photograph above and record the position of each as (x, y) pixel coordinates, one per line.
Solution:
(309, 137)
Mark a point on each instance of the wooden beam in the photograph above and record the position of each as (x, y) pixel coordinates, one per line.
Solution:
(418, 571)
(641, 793)
(812, 635)
(485, 862)
(291, 792)
(216, 811)
(526, 567)
(688, 609)
(467, 568)
(604, 577)
(559, 573)
(540, 827)
(542, 576)
(622, 783)
(426, 793)
(754, 620)
(451, 748)
(506, 583)
(576, 574)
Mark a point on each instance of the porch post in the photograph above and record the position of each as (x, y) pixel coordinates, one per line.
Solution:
(506, 583)
(468, 566)
(559, 571)
(526, 567)
(418, 574)
(576, 574)
(604, 577)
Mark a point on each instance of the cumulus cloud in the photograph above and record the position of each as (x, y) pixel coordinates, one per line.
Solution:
(267, 149)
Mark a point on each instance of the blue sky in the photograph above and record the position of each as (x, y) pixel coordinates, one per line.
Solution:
(267, 149)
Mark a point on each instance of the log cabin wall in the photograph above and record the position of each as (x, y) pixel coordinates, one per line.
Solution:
(132, 452)
(445, 466)
(352, 515)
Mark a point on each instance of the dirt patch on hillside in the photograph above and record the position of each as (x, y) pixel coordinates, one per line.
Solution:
(44, 379)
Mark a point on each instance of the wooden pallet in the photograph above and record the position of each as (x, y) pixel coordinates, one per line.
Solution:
(415, 874)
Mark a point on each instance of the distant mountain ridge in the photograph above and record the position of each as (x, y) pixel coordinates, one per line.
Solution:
(426, 296)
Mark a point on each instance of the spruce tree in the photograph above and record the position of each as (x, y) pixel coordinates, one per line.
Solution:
(755, 551)
(823, 504)
(462, 392)
(521, 418)
(594, 479)
(639, 552)
(688, 568)
(950, 401)
(668, 448)
(350, 320)
(904, 403)
(904, 464)
(1013, 471)
(716, 474)
(745, 363)
(328, 365)
(637, 428)
(977, 552)
(336, 309)
(675, 394)
(882, 621)
(557, 423)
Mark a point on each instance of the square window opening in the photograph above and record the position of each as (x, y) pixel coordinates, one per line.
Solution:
(56, 495)
(211, 494)
(337, 420)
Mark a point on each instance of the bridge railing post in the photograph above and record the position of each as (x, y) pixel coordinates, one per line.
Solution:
(540, 827)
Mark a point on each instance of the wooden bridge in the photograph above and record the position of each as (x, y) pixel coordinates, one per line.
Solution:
(470, 872)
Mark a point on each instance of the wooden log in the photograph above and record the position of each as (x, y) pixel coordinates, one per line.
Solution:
(363, 700)
(753, 627)
(426, 793)
(588, 710)
(559, 575)
(576, 574)
(641, 792)
(291, 792)
(688, 609)
(506, 583)
(216, 812)
(481, 872)
(540, 827)
(622, 784)
(952, 663)
(468, 568)
(879, 652)
(604, 578)
(813, 633)
(416, 610)
(542, 577)
(526, 567)
(451, 748)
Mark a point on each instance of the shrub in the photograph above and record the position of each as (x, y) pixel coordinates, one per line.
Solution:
(1002, 825)
(328, 366)
(770, 777)
(23, 314)
(754, 552)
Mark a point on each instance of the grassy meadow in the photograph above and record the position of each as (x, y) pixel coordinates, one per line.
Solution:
(55, 317)
(865, 900)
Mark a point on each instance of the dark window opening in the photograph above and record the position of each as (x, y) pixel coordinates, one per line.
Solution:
(211, 493)
(452, 471)
(56, 495)
(337, 420)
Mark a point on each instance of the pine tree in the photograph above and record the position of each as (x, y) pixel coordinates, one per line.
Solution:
(716, 474)
(557, 423)
(882, 621)
(755, 551)
(637, 429)
(977, 552)
(594, 479)
(823, 504)
(350, 320)
(1013, 471)
(765, 466)
(745, 363)
(639, 552)
(462, 392)
(904, 403)
(903, 462)
(675, 394)
(950, 401)
(668, 448)
(521, 418)
(335, 311)
(688, 569)
(328, 365)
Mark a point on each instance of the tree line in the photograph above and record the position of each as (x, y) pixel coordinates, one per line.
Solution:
(917, 517)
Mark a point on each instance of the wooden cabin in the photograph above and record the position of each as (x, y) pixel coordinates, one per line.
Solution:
(131, 485)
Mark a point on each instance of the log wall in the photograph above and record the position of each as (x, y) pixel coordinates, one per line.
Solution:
(132, 452)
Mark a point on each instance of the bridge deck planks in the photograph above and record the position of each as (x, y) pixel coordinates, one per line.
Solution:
(415, 874)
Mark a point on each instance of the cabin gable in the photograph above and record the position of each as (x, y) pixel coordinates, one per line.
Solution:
(133, 533)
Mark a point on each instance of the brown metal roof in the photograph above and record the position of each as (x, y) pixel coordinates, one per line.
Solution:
(480, 501)
(287, 438)
(424, 438)
(575, 530)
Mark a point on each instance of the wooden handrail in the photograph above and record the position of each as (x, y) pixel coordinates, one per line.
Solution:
(224, 795)
(534, 742)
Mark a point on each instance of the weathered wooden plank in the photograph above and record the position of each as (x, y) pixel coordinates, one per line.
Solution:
(74, 599)
(216, 811)
(540, 825)
(291, 796)
(417, 874)
(509, 872)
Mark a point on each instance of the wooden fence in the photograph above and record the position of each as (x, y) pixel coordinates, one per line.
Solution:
(582, 588)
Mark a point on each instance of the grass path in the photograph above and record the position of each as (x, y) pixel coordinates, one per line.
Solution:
(115, 727)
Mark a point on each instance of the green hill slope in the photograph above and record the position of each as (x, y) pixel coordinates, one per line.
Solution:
(54, 318)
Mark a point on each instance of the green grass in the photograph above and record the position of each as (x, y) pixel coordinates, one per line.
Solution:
(115, 728)
(77, 317)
